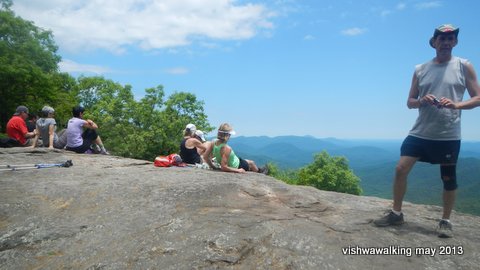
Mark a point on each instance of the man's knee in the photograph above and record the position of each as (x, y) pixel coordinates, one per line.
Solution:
(404, 165)
(449, 177)
(402, 170)
(450, 184)
(89, 134)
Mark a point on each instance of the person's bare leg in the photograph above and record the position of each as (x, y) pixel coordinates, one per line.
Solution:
(403, 168)
(448, 174)
(98, 141)
(448, 202)
(252, 165)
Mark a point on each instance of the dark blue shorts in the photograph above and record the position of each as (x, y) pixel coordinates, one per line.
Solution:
(89, 136)
(243, 164)
(435, 152)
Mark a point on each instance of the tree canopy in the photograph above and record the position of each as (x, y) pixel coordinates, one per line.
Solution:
(325, 173)
(28, 66)
(330, 173)
(139, 129)
(29, 76)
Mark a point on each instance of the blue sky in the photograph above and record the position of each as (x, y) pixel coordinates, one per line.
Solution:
(325, 68)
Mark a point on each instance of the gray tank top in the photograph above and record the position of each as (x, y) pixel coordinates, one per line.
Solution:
(43, 125)
(441, 80)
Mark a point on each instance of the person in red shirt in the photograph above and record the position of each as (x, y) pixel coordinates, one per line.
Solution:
(17, 128)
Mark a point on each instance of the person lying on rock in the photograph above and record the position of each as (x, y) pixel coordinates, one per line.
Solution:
(225, 156)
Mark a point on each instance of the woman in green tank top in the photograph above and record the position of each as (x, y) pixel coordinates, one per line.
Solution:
(225, 156)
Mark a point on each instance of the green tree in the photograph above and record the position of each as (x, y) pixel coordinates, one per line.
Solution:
(28, 66)
(112, 107)
(180, 109)
(330, 173)
(288, 176)
(64, 98)
(139, 129)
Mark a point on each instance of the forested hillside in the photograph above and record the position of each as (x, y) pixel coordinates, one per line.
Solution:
(424, 183)
(373, 161)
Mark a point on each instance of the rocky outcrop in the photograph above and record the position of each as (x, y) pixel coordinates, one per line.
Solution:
(107, 212)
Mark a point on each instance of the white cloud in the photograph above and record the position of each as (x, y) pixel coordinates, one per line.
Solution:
(71, 66)
(149, 24)
(355, 31)
(401, 6)
(308, 37)
(385, 13)
(428, 5)
(177, 71)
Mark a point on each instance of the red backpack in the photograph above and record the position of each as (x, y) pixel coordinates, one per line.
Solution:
(168, 161)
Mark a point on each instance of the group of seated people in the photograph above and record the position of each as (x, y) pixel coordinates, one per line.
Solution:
(80, 135)
(194, 149)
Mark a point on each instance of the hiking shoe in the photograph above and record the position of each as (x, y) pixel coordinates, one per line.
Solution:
(445, 229)
(389, 220)
(95, 149)
(263, 170)
(104, 152)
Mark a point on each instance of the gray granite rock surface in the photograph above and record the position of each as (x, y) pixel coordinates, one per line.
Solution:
(107, 212)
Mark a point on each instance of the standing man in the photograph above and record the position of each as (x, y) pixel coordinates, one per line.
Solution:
(437, 91)
(17, 128)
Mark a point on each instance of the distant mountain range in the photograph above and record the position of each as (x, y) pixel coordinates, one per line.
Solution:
(297, 151)
(374, 162)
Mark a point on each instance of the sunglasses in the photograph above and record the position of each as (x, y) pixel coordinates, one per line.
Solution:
(443, 38)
